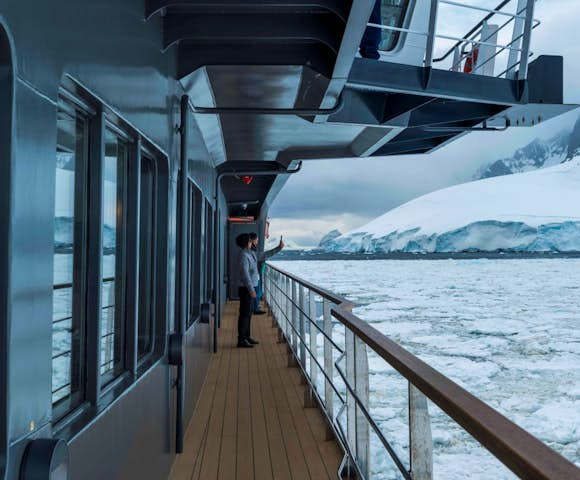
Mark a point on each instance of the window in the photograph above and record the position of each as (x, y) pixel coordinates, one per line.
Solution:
(393, 14)
(209, 250)
(109, 288)
(112, 261)
(68, 315)
(195, 236)
(147, 257)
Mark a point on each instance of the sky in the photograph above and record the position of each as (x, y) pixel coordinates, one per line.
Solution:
(355, 191)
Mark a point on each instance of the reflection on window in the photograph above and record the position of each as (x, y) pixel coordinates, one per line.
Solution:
(195, 235)
(147, 257)
(112, 286)
(393, 15)
(209, 249)
(69, 231)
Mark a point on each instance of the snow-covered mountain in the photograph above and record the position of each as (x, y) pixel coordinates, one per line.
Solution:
(537, 154)
(533, 211)
(289, 244)
(328, 238)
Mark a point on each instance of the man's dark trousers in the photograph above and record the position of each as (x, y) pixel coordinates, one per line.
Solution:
(369, 45)
(245, 314)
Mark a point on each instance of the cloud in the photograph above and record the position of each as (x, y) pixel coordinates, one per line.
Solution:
(308, 231)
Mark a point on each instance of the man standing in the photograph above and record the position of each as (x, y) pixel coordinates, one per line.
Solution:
(249, 278)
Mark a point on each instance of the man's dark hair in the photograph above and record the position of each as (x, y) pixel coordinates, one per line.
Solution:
(242, 240)
(253, 235)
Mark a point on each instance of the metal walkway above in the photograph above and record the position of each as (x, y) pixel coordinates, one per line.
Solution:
(250, 421)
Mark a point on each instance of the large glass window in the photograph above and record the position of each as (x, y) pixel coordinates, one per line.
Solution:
(393, 14)
(112, 266)
(208, 249)
(147, 257)
(68, 324)
(195, 236)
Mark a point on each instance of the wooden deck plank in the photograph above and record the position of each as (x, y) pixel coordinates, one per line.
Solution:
(278, 456)
(250, 421)
(260, 441)
(211, 455)
(244, 456)
(329, 451)
(297, 462)
(295, 397)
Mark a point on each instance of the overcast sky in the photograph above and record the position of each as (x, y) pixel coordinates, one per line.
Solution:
(345, 194)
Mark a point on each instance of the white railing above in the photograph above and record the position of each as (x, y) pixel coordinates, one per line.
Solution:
(498, 44)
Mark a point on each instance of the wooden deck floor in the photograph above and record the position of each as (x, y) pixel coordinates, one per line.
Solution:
(250, 421)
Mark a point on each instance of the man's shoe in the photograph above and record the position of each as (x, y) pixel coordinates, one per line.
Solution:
(245, 344)
(259, 312)
(252, 341)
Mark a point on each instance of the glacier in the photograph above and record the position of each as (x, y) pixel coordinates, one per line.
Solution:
(531, 211)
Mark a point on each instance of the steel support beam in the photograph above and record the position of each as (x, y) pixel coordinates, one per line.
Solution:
(339, 7)
(389, 77)
(194, 55)
(232, 28)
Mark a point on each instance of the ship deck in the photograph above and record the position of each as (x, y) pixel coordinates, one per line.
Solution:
(250, 420)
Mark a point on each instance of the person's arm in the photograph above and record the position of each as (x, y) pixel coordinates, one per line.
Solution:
(245, 273)
(262, 256)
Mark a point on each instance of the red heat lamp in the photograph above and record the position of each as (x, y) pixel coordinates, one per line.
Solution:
(247, 179)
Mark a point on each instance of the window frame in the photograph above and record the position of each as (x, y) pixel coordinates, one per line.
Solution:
(209, 246)
(72, 106)
(194, 253)
(121, 278)
(144, 355)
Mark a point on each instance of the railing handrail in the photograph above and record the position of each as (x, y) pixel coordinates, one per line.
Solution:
(517, 449)
(331, 296)
(475, 28)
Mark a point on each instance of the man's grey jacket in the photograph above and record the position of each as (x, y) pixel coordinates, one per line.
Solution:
(248, 261)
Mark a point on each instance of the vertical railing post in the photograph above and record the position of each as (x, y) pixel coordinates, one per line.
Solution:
(302, 329)
(361, 368)
(350, 401)
(429, 48)
(313, 338)
(309, 395)
(328, 358)
(288, 290)
(456, 66)
(420, 436)
(266, 289)
(294, 315)
(275, 312)
(527, 36)
(516, 42)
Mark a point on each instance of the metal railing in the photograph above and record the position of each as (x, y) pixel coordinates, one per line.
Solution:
(313, 321)
(477, 51)
(107, 339)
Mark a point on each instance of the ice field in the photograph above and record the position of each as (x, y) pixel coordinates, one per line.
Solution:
(506, 330)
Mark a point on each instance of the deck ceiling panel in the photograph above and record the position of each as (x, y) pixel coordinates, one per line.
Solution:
(322, 27)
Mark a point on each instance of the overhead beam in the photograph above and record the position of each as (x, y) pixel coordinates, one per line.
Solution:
(261, 27)
(442, 112)
(316, 56)
(338, 7)
(391, 77)
(411, 147)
